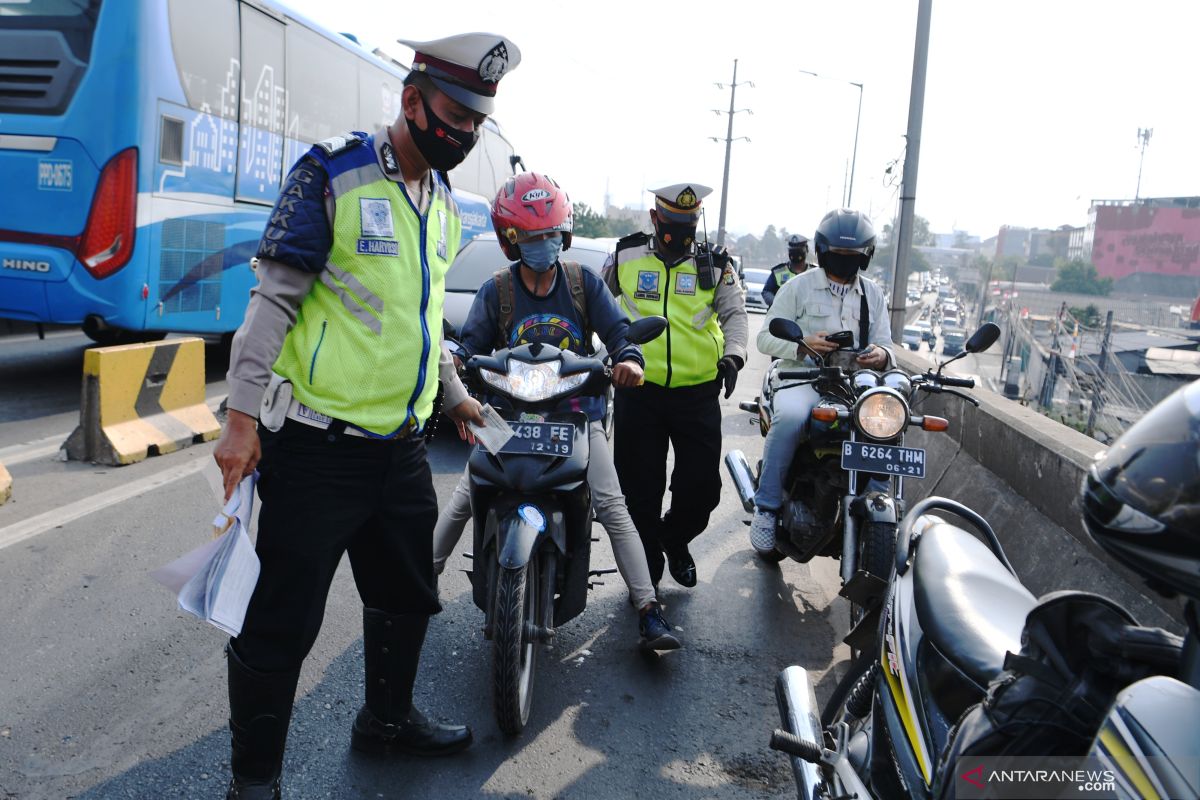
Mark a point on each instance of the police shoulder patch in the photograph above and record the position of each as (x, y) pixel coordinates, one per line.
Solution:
(336, 144)
(729, 276)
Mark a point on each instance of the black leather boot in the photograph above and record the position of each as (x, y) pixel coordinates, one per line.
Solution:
(388, 723)
(260, 708)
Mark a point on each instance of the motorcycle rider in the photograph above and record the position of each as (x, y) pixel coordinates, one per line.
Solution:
(542, 299)
(821, 301)
(797, 263)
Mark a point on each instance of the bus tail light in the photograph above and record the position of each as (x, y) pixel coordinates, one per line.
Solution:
(107, 241)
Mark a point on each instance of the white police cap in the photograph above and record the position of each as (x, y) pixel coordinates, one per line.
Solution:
(680, 202)
(467, 67)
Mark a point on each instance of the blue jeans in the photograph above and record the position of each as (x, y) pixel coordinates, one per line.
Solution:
(790, 410)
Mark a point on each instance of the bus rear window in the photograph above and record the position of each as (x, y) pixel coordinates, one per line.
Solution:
(45, 46)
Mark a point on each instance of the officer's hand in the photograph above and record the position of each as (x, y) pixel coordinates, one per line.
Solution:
(818, 342)
(727, 371)
(720, 256)
(627, 374)
(238, 450)
(874, 357)
(468, 410)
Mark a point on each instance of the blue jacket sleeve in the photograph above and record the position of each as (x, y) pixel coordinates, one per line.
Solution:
(298, 232)
(769, 289)
(479, 331)
(608, 321)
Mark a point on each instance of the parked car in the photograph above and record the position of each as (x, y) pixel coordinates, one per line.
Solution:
(755, 280)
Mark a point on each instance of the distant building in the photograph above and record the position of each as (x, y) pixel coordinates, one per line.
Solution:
(1012, 241)
(1147, 246)
(1050, 245)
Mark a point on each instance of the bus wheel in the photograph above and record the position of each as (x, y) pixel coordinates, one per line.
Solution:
(107, 337)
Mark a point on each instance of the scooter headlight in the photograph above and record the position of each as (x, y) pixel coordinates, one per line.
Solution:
(533, 382)
(881, 414)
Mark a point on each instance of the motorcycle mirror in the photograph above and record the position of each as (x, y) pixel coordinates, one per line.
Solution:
(456, 349)
(983, 338)
(785, 329)
(645, 329)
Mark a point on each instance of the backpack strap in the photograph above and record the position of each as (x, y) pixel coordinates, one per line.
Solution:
(574, 273)
(864, 316)
(504, 293)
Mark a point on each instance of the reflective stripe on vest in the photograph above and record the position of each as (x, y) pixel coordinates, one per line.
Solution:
(365, 346)
(688, 352)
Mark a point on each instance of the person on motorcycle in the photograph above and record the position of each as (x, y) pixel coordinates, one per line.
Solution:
(542, 299)
(797, 263)
(821, 301)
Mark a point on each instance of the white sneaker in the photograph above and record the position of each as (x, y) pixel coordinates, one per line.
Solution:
(762, 531)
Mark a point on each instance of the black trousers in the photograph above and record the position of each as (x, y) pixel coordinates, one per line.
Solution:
(645, 420)
(324, 494)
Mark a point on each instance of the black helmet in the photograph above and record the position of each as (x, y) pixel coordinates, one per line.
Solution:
(1141, 499)
(845, 242)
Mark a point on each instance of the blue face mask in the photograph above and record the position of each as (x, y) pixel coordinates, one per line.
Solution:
(541, 255)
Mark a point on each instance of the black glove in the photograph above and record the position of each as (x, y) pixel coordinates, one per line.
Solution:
(727, 371)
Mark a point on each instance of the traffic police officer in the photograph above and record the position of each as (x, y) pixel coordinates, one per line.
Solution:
(703, 348)
(797, 250)
(338, 356)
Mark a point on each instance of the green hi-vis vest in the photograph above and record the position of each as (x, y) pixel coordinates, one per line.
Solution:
(367, 339)
(782, 273)
(688, 351)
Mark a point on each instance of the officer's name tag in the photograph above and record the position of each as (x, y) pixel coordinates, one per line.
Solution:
(647, 286)
(378, 247)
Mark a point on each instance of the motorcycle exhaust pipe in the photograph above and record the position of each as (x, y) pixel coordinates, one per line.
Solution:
(743, 481)
(798, 713)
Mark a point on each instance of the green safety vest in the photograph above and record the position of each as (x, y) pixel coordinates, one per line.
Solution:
(688, 351)
(782, 274)
(367, 339)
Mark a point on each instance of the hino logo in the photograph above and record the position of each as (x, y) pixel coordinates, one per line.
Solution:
(26, 265)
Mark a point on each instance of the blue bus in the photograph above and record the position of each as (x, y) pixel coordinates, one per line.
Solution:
(142, 144)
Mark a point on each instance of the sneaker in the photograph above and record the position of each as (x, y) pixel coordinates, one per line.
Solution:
(762, 531)
(655, 630)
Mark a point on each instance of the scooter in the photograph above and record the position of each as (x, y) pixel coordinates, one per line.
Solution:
(532, 509)
(844, 491)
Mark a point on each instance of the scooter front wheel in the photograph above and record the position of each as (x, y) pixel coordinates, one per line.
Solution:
(514, 657)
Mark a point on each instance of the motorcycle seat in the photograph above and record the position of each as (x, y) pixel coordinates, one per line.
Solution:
(972, 609)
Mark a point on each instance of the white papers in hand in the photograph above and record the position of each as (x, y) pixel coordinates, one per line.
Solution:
(215, 581)
(495, 434)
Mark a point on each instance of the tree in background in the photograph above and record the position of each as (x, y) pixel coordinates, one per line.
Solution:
(1079, 277)
(922, 236)
(594, 225)
(1088, 316)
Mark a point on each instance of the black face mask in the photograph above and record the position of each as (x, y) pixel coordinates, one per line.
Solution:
(443, 146)
(675, 236)
(842, 265)
(797, 257)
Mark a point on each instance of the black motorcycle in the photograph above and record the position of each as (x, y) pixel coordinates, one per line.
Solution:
(844, 490)
(532, 508)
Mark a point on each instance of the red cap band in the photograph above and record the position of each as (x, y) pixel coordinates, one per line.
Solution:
(466, 77)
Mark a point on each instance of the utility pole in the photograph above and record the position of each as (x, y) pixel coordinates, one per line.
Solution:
(1098, 389)
(729, 140)
(1144, 135)
(1047, 398)
(983, 298)
(908, 190)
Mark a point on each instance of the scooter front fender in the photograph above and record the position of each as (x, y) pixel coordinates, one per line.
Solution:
(518, 535)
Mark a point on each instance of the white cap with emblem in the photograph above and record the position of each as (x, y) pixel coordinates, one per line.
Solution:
(467, 67)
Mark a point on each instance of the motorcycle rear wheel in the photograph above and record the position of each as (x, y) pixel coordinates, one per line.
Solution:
(514, 656)
(835, 707)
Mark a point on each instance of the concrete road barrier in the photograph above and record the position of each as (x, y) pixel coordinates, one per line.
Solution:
(141, 400)
(5, 485)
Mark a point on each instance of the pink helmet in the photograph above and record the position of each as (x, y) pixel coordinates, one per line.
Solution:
(527, 205)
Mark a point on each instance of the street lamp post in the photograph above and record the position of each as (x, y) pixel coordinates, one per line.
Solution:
(847, 193)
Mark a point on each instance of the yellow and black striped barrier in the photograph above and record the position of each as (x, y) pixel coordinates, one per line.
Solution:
(5, 485)
(141, 400)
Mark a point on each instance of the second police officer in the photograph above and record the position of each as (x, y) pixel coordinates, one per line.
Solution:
(796, 264)
(702, 350)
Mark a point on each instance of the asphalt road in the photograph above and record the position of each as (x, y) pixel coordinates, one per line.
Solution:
(108, 691)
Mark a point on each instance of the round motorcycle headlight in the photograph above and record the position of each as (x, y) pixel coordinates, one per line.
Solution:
(881, 415)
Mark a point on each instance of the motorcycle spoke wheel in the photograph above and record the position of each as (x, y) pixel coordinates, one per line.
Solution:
(514, 656)
(835, 708)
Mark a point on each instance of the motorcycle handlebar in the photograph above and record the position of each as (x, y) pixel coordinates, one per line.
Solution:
(799, 374)
(966, 383)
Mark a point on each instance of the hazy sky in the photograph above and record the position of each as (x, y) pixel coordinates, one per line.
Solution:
(1032, 107)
